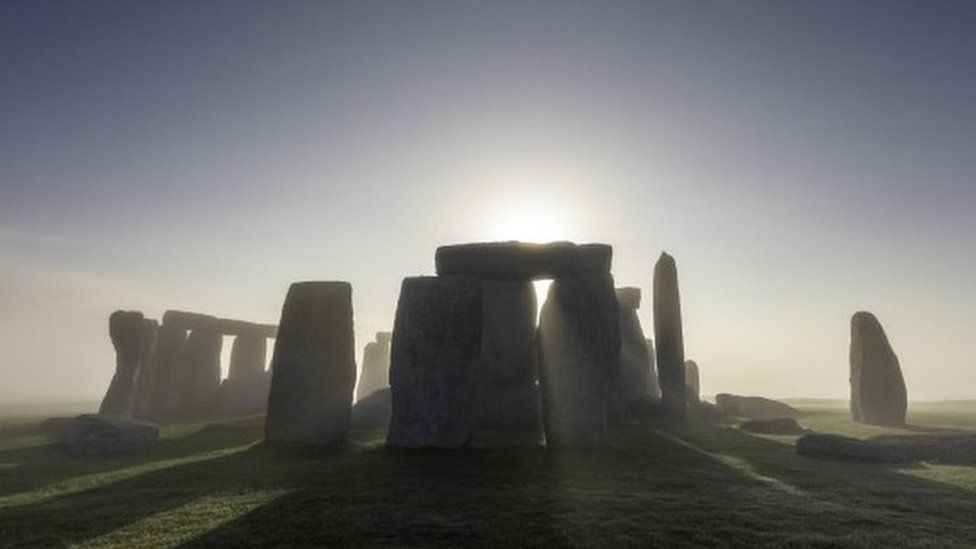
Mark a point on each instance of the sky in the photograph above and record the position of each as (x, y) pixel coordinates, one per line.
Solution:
(802, 160)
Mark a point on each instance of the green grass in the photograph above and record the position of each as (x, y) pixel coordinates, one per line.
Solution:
(660, 484)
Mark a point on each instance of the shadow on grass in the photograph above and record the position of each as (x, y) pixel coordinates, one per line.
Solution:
(34, 467)
(660, 484)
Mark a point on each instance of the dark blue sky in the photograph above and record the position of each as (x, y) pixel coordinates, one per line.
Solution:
(800, 159)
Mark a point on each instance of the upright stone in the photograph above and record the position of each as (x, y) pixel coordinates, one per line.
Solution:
(201, 371)
(636, 361)
(435, 368)
(313, 368)
(168, 386)
(508, 352)
(653, 386)
(246, 388)
(692, 383)
(878, 393)
(375, 373)
(668, 335)
(146, 378)
(125, 330)
(579, 358)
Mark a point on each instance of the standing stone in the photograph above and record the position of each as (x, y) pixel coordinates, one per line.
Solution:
(375, 373)
(878, 393)
(125, 330)
(146, 378)
(579, 358)
(508, 352)
(692, 383)
(168, 387)
(653, 386)
(668, 335)
(246, 388)
(435, 369)
(201, 371)
(636, 361)
(313, 368)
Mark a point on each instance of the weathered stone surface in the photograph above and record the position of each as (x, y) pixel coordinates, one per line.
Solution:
(201, 372)
(878, 393)
(692, 383)
(95, 435)
(846, 448)
(636, 363)
(192, 321)
(314, 367)
(668, 335)
(384, 338)
(579, 358)
(508, 353)
(167, 397)
(146, 378)
(372, 410)
(521, 260)
(753, 407)
(248, 354)
(375, 373)
(125, 330)
(775, 426)
(435, 370)
(653, 386)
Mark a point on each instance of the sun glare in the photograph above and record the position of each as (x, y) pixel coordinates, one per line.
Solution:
(530, 224)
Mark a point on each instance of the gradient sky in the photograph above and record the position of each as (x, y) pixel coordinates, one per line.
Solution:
(801, 160)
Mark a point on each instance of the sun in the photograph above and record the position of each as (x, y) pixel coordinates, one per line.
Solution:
(530, 223)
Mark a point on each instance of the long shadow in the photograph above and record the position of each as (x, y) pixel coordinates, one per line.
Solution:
(886, 500)
(34, 467)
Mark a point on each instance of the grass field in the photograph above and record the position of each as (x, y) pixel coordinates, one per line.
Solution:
(660, 484)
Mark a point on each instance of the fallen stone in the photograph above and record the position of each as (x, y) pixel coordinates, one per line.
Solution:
(314, 367)
(579, 359)
(373, 410)
(878, 392)
(522, 261)
(847, 448)
(692, 383)
(775, 426)
(668, 336)
(435, 368)
(58, 426)
(753, 407)
(126, 331)
(96, 435)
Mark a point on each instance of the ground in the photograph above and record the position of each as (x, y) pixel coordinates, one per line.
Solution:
(660, 484)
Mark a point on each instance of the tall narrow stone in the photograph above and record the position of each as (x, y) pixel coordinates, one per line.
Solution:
(878, 393)
(313, 368)
(246, 388)
(579, 358)
(125, 330)
(146, 378)
(636, 360)
(435, 368)
(668, 335)
(508, 352)
(375, 374)
(201, 371)
(653, 386)
(692, 383)
(168, 386)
